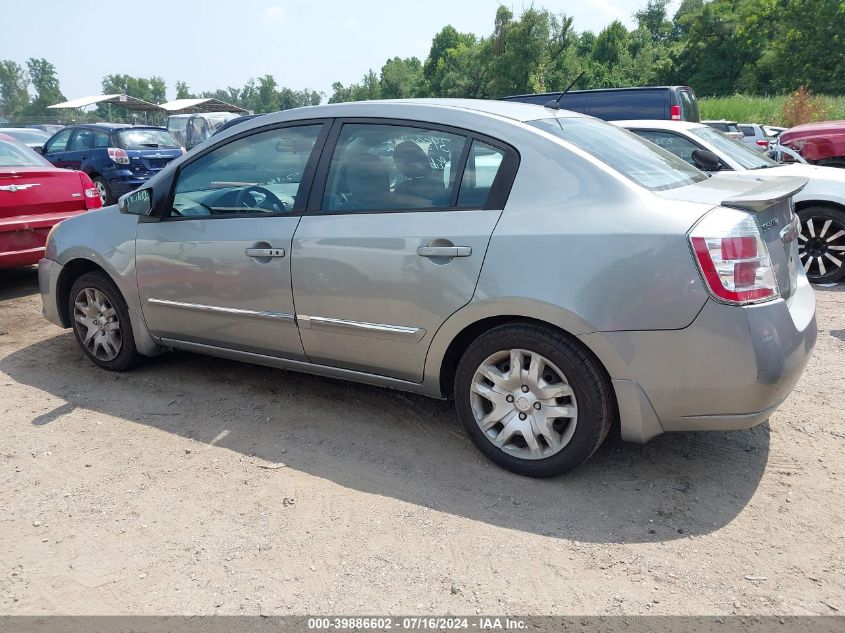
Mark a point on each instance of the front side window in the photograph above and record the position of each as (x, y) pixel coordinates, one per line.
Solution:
(740, 153)
(59, 142)
(259, 174)
(627, 153)
(678, 145)
(391, 168)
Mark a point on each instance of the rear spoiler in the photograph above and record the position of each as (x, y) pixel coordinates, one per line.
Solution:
(767, 193)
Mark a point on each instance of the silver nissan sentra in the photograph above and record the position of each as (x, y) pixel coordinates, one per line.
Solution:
(552, 273)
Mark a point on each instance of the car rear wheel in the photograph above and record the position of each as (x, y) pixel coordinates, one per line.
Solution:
(101, 322)
(104, 191)
(821, 244)
(532, 400)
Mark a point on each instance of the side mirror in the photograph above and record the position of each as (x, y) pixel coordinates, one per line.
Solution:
(706, 160)
(38, 149)
(136, 202)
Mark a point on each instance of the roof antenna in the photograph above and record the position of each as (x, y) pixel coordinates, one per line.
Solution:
(554, 104)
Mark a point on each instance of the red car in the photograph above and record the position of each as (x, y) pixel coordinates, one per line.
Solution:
(818, 143)
(34, 196)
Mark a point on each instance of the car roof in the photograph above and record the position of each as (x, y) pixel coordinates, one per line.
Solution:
(112, 127)
(393, 108)
(553, 95)
(659, 124)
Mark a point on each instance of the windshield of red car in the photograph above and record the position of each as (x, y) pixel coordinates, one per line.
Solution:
(17, 155)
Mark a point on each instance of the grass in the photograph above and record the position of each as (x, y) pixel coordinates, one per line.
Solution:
(766, 110)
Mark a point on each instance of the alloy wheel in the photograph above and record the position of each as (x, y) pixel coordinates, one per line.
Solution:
(524, 404)
(101, 189)
(821, 247)
(97, 324)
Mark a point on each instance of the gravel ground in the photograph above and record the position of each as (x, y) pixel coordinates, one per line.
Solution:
(193, 485)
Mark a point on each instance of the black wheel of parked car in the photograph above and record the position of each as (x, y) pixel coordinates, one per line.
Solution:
(101, 322)
(821, 245)
(102, 186)
(532, 400)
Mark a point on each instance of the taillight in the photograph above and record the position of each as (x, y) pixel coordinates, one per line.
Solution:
(676, 113)
(733, 258)
(762, 143)
(92, 196)
(118, 155)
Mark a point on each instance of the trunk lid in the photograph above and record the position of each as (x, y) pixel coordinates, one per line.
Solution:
(769, 201)
(36, 190)
(151, 161)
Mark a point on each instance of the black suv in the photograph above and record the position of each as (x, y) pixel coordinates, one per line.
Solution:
(675, 103)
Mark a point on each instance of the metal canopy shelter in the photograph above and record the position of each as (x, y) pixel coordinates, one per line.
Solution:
(193, 106)
(124, 101)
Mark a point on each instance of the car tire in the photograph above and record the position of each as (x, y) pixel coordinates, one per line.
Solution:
(100, 321)
(102, 186)
(821, 245)
(501, 409)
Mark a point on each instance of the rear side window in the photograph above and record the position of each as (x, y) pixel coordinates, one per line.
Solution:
(630, 104)
(392, 168)
(83, 139)
(482, 167)
(146, 139)
(102, 139)
(689, 106)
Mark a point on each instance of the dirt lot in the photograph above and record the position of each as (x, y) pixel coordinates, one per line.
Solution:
(162, 491)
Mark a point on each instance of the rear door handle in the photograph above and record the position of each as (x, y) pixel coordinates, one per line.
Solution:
(265, 252)
(444, 251)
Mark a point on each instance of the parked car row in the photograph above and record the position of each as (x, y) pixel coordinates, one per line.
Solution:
(554, 274)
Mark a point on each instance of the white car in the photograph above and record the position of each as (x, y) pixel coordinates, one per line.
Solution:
(820, 206)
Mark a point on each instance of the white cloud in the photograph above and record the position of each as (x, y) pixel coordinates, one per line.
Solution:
(274, 13)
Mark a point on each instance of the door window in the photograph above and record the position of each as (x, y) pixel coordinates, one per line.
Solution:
(254, 175)
(83, 139)
(482, 167)
(678, 145)
(392, 168)
(59, 142)
(102, 139)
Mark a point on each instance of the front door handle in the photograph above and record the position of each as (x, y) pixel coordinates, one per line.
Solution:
(265, 252)
(444, 251)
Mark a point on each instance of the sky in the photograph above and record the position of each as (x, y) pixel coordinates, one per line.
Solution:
(218, 43)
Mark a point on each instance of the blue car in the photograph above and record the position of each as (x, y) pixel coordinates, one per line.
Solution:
(118, 158)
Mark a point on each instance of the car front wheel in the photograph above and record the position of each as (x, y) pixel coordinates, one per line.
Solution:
(821, 244)
(101, 322)
(532, 400)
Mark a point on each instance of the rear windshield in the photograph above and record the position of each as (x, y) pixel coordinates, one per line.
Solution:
(17, 155)
(643, 162)
(146, 139)
(736, 150)
(629, 104)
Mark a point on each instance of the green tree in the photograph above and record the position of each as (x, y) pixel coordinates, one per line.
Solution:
(14, 97)
(45, 82)
(182, 91)
(402, 78)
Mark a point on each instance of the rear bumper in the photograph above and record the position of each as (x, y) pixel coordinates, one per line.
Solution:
(126, 181)
(22, 237)
(730, 369)
(48, 281)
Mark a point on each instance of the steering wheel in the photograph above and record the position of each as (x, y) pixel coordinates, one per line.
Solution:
(270, 201)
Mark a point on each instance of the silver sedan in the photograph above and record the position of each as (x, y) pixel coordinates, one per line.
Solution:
(553, 274)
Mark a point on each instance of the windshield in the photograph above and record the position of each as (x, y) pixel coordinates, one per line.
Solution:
(645, 163)
(17, 155)
(146, 139)
(736, 151)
